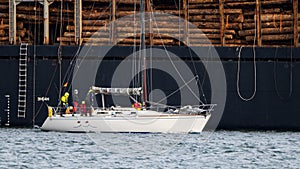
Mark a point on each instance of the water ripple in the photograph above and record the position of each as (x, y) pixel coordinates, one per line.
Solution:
(28, 148)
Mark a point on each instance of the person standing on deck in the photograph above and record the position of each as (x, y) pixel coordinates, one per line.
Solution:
(75, 101)
(89, 101)
(64, 103)
(82, 109)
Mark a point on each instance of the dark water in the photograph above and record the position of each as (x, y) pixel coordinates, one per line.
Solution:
(31, 148)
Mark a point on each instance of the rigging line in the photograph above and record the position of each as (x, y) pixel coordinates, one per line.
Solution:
(48, 88)
(135, 100)
(199, 84)
(140, 81)
(73, 61)
(174, 64)
(35, 23)
(178, 8)
(179, 22)
(110, 25)
(89, 48)
(193, 63)
(254, 67)
(68, 75)
(205, 75)
(185, 84)
(39, 31)
(177, 71)
(151, 53)
(72, 66)
(113, 26)
(151, 70)
(291, 76)
(78, 50)
(90, 16)
(59, 49)
(176, 3)
(61, 20)
(188, 25)
(56, 24)
(78, 64)
(34, 69)
(108, 7)
(68, 19)
(134, 47)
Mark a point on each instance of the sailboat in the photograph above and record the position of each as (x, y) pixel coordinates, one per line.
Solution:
(186, 119)
(138, 118)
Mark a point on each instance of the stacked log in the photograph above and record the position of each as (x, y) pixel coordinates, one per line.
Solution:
(205, 16)
(234, 21)
(216, 22)
(276, 35)
(61, 19)
(4, 23)
(95, 15)
(276, 23)
(29, 17)
(232, 24)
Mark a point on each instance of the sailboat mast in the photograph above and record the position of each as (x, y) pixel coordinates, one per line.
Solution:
(143, 54)
(59, 52)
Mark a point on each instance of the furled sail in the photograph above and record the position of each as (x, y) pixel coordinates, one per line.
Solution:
(117, 91)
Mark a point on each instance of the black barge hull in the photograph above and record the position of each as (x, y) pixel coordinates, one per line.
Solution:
(275, 105)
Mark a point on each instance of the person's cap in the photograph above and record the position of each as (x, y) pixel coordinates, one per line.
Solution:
(67, 94)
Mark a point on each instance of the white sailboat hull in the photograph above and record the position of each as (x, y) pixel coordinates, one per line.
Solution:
(143, 124)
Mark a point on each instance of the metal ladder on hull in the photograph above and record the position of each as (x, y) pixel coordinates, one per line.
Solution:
(22, 80)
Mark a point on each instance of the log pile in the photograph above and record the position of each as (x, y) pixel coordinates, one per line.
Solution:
(276, 23)
(205, 16)
(96, 22)
(216, 22)
(4, 23)
(61, 19)
(29, 17)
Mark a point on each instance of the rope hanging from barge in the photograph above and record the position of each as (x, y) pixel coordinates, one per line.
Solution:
(238, 76)
(291, 76)
(254, 66)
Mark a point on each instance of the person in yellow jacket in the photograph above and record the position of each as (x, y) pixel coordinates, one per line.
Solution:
(64, 103)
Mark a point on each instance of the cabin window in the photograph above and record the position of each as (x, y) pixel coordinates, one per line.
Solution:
(102, 112)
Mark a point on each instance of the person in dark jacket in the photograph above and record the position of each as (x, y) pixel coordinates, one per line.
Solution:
(75, 101)
(89, 101)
